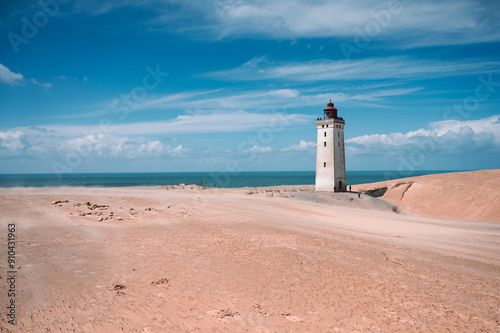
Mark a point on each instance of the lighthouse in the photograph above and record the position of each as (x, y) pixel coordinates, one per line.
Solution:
(330, 151)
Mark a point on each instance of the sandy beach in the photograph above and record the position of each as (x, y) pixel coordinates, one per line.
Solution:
(420, 255)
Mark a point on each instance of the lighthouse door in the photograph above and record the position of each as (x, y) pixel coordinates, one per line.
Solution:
(340, 186)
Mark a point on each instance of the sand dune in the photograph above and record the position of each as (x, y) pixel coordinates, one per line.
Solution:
(281, 259)
(462, 196)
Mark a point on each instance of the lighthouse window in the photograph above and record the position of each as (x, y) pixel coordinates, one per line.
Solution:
(338, 134)
(339, 143)
(324, 143)
(322, 126)
(326, 125)
(324, 164)
(325, 134)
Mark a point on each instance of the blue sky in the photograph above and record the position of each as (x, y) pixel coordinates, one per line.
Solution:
(150, 85)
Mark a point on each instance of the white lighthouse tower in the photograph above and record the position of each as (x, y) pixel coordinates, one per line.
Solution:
(330, 154)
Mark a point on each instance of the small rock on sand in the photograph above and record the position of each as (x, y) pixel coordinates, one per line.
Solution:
(160, 281)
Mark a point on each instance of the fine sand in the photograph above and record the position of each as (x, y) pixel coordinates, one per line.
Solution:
(277, 259)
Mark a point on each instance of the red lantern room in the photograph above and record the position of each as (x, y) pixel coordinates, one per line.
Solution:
(330, 111)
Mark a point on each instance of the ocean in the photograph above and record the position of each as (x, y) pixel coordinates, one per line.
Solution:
(217, 179)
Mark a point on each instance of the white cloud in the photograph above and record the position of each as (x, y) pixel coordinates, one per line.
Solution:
(13, 143)
(300, 18)
(93, 143)
(363, 69)
(209, 102)
(286, 93)
(9, 77)
(172, 99)
(108, 146)
(406, 23)
(253, 149)
(427, 22)
(447, 136)
(239, 121)
(193, 102)
(303, 145)
(45, 85)
(257, 149)
(136, 140)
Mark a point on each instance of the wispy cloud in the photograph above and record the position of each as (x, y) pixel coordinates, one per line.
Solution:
(9, 77)
(239, 121)
(45, 85)
(363, 69)
(176, 100)
(460, 19)
(198, 103)
(230, 100)
(406, 23)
